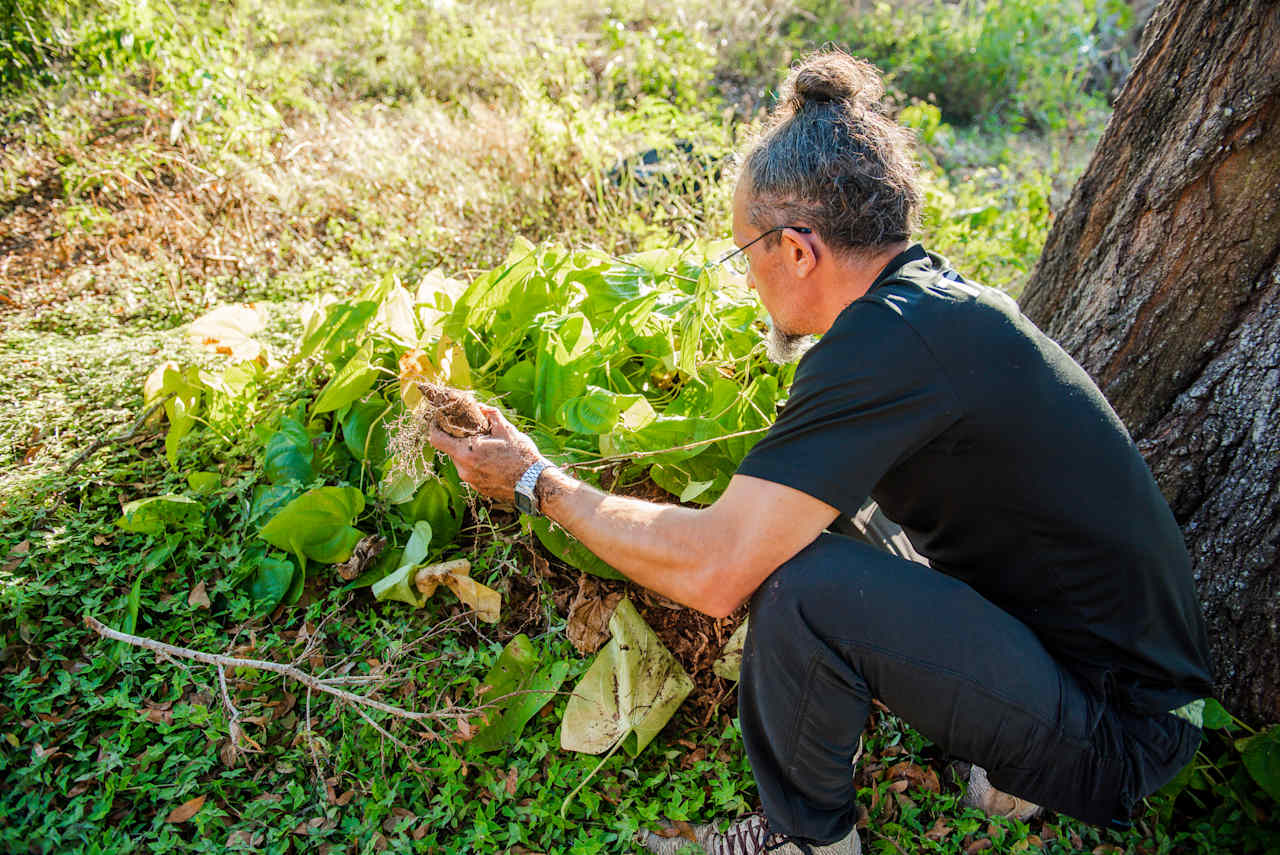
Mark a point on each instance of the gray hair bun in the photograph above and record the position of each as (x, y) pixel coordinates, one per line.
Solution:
(832, 76)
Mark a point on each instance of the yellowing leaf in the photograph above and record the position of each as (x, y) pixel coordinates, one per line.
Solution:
(228, 330)
(455, 575)
(436, 296)
(396, 315)
(486, 601)
(628, 694)
(452, 359)
(415, 365)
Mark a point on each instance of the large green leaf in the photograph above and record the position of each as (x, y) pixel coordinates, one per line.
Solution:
(665, 434)
(269, 498)
(155, 514)
(440, 502)
(271, 581)
(570, 550)
(563, 365)
(628, 694)
(317, 525)
(516, 387)
(518, 688)
(692, 323)
(351, 383)
(1215, 716)
(600, 411)
(289, 455)
(364, 430)
(1261, 756)
(399, 584)
(334, 328)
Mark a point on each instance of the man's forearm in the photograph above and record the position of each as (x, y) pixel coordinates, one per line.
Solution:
(662, 547)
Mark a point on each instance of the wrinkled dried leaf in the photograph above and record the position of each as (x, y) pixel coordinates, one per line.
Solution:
(978, 846)
(917, 776)
(186, 810)
(939, 831)
(365, 553)
(455, 575)
(589, 614)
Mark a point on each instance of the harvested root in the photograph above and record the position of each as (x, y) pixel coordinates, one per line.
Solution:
(456, 412)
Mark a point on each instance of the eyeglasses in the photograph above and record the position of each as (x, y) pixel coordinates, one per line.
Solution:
(737, 259)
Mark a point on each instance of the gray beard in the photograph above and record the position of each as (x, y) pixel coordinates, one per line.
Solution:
(784, 347)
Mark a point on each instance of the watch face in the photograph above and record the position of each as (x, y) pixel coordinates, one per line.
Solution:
(524, 504)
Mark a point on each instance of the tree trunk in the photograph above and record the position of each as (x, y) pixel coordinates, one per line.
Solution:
(1162, 278)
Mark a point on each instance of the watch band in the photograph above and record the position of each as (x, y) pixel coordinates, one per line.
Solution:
(526, 500)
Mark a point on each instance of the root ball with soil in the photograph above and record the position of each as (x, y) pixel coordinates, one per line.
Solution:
(456, 413)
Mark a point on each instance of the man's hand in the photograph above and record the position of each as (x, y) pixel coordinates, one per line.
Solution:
(491, 463)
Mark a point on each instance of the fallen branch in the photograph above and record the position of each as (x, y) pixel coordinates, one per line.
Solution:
(102, 442)
(222, 662)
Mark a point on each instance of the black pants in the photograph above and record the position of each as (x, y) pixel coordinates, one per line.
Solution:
(843, 622)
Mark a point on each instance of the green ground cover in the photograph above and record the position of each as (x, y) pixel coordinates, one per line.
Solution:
(163, 158)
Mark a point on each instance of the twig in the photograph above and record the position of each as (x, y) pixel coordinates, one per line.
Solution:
(234, 731)
(311, 739)
(111, 440)
(389, 735)
(262, 664)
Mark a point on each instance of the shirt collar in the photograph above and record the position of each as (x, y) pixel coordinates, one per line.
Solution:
(915, 252)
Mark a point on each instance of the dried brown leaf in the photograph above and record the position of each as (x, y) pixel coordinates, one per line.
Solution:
(939, 831)
(589, 613)
(512, 780)
(198, 598)
(362, 557)
(186, 810)
(157, 716)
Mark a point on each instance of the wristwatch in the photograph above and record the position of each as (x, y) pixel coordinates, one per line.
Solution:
(526, 501)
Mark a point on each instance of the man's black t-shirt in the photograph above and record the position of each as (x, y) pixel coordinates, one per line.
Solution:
(1006, 468)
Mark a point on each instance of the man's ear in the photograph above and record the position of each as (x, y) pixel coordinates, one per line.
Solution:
(802, 253)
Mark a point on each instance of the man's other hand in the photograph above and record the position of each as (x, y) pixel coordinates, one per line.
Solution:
(493, 462)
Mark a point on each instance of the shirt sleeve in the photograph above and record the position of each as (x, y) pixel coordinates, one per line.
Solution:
(865, 397)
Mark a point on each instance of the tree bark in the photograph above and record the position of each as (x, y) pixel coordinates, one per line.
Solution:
(1162, 278)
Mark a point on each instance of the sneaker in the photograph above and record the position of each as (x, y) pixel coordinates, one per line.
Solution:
(993, 802)
(748, 835)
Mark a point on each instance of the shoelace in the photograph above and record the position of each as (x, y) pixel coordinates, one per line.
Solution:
(748, 836)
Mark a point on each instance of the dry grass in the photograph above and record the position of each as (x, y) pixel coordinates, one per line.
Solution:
(501, 123)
